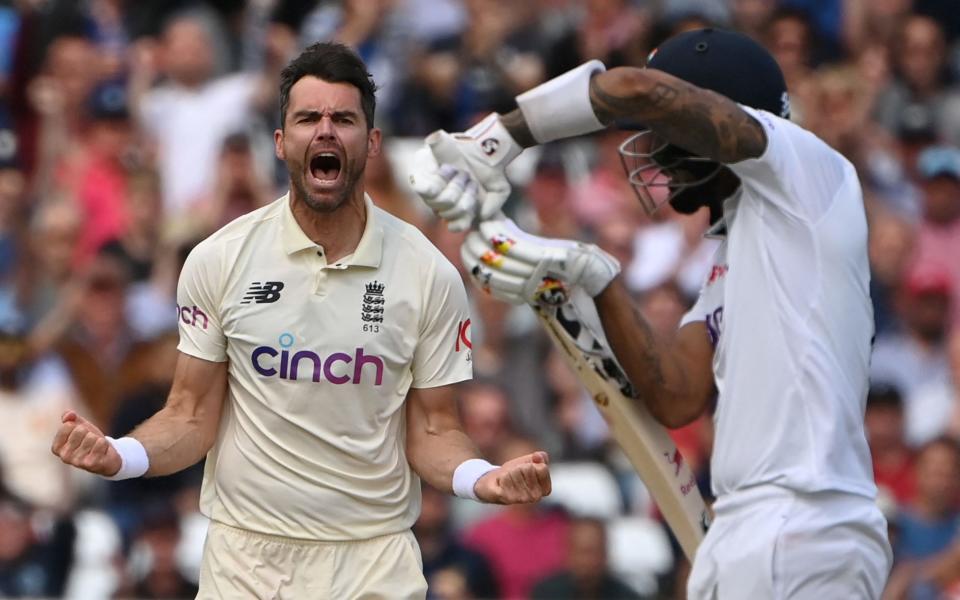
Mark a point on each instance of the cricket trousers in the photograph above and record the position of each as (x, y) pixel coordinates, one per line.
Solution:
(240, 564)
(771, 543)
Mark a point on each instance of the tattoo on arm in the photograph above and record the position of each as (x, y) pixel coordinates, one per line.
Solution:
(697, 120)
(608, 106)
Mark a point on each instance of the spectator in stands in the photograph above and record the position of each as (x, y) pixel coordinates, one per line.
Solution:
(103, 356)
(379, 30)
(587, 574)
(485, 411)
(921, 79)
(751, 16)
(58, 97)
(156, 575)
(583, 432)
(34, 561)
(33, 390)
(240, 188)
(100, 172)
(935, 406)
(892, 459)
(890, 249)
(613, 31)
(917, 355)
(523, 542)
(929, 525)
(789, 35)
(461, 77)
(938, 242)
(442, 551)
(191, 114)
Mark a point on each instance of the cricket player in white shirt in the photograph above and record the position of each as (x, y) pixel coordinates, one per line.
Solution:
(781, 333)
(320, 342)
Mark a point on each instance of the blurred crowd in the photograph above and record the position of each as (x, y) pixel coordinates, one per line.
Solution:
(131, 130)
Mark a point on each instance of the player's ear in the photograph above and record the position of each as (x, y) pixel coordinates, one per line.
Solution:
(278, 144)
(374, 140)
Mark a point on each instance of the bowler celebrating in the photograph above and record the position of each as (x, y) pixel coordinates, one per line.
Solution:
(320, 342)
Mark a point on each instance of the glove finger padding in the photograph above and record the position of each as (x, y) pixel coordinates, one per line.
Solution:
(489, 254)
(546, 267)
(427, 179)
(503, 286)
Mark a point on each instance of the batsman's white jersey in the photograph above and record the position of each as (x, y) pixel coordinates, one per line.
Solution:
(322, 355)
(787, 306)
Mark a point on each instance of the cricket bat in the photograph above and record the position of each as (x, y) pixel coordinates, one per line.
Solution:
(574, 326)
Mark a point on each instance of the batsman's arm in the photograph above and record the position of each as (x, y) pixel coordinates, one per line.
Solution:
(673, 377)
(697, 120)
(177, 436)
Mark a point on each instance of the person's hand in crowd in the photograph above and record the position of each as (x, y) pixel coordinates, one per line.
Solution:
(361, 19)
(46, 96)
(145, 58)
(81, 444)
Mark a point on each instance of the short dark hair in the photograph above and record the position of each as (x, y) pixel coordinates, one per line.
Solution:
(883, 394)
(334, 63)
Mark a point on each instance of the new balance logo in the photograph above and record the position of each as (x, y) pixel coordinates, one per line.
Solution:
(265, 293)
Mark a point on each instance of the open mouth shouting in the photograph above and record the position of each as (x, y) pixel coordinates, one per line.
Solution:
(326, 168)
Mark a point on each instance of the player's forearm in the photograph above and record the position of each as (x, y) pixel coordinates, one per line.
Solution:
(176, 437)
(663, 384)
(697, 120)
(435, 454)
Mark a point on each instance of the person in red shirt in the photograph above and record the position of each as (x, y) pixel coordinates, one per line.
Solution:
(892, 458)
(524, 543)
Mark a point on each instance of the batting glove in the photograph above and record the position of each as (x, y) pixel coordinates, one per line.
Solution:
(520, 268)
(461, 176)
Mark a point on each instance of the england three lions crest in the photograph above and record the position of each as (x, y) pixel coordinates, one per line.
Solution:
(373, 301)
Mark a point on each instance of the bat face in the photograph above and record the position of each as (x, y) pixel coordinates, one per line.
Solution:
(574, 327)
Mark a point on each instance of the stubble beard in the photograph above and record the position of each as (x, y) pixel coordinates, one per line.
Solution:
(352, 176)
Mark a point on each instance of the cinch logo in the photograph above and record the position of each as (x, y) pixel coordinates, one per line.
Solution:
(270, 362)
(192, 315)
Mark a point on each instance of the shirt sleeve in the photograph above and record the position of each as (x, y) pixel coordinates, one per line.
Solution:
(443, 354)
(198, 306)
(798, 173)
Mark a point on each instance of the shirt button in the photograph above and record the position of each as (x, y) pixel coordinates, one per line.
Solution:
(320, 253)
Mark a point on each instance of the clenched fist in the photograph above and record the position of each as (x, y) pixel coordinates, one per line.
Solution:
(79, 443)
(522, 480)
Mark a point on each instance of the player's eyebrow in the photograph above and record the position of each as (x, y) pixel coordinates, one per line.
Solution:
(336, 114)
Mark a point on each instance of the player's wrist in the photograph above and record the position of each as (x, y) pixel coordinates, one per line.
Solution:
(561, 108)
(467, 474)
(497, 147)
(134, 461)
(600, 269)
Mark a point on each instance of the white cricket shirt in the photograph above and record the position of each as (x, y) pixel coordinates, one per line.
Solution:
(311, 441)
(788, 308)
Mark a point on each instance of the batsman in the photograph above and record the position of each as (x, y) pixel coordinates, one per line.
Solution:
(781, 332)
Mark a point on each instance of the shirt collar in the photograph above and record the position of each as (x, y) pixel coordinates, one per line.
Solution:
(368, 252)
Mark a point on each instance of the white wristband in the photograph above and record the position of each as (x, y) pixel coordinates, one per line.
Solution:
(466, 475)
(561, 108)
(134, 461)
